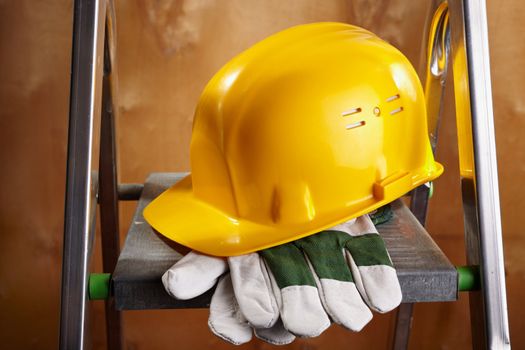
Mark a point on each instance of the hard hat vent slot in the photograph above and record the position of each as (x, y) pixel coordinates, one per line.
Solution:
(392, 98)
(397, 110)
(351, 111)
(355, 125)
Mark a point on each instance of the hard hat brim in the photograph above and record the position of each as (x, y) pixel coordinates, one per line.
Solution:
(182, 217)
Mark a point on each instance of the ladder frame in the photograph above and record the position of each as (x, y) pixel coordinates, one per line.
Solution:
(93, 93)
(478, 167)
(479, 172)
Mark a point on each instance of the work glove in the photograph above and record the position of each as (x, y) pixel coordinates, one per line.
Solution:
(196, 273)
(295, 288)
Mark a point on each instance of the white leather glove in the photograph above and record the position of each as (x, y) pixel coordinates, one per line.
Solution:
(196, 273)
(333, 275)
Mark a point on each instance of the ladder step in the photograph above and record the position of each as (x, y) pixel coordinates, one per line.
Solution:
(424, 272)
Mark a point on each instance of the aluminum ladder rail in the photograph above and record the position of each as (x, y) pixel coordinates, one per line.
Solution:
(458, 30)
(93, 93)
(479, 171)
(92, 101)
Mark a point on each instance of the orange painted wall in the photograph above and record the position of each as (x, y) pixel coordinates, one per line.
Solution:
(167, 51)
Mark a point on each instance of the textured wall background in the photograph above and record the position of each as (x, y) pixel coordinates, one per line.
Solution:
(168, 49)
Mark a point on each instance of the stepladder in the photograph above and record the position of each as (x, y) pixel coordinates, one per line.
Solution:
(457, 33)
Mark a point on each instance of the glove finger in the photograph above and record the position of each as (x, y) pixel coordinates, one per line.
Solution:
(373, 271)
(336, 286)
(253, 290)
(225, 320)
(300, 306)
(193, 275)
(276, 335)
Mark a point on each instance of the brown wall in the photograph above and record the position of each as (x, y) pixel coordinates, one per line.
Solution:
(167, 52)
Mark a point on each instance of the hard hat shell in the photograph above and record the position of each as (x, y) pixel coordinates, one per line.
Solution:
(313, 126)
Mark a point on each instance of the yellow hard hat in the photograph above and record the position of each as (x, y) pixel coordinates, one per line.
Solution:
(313, 126)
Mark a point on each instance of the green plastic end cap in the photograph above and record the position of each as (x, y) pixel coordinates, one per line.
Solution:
(99, 286)
(468, 278)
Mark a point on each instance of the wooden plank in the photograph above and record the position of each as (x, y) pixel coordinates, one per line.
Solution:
(424, 272)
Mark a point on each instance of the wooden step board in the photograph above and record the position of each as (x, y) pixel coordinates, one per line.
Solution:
(424, 271)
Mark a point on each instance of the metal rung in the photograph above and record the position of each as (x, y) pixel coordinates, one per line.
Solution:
(425, 274)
